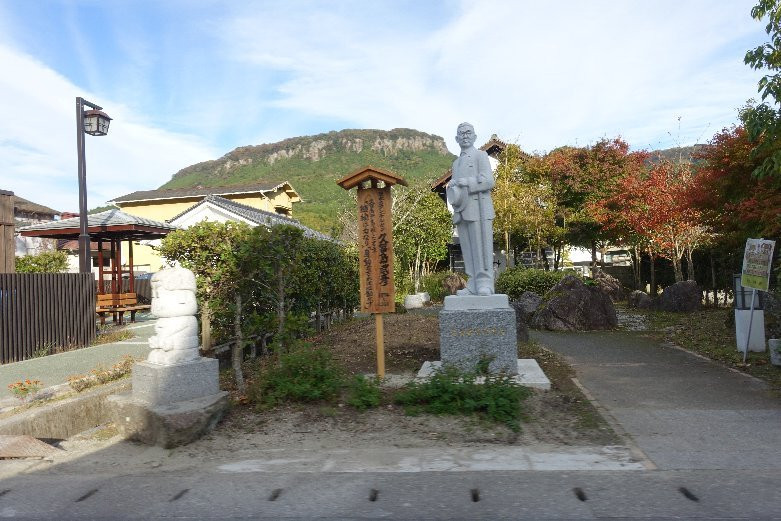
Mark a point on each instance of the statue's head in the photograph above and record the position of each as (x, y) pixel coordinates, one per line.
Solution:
(173, 293)
(465, 135)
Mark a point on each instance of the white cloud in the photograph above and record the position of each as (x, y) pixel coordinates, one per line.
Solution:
(38, 141)
(551, 75)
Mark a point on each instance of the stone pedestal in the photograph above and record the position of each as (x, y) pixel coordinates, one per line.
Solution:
(162, 384)
(171, 405)
(473, 328)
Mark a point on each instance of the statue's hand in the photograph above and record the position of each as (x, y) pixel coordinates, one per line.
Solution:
(462, 182)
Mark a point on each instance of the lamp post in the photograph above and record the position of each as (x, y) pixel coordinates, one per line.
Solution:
(95, 123)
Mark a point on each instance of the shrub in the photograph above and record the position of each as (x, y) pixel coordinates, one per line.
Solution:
(44, 262)
(363, 393)
(304, 374)
(432, 284)
(515, 281)
(450, 391)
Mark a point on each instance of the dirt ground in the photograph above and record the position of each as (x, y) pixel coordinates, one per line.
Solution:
(554, 420)
(559, 417)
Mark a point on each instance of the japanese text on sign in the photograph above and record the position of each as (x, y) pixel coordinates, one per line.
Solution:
(375, 247)
(757, 262)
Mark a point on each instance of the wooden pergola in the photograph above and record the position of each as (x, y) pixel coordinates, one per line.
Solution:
(112, 226)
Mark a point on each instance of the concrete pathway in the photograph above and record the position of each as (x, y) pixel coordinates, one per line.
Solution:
(54, 370)
(683, 411)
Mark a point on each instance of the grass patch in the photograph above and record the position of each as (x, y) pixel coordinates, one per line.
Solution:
(304, 374)
(363, 393)
(452, 392)
(711, 333)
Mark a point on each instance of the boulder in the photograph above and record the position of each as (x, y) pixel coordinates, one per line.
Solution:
(571, 305)
(640, 300)
(526, 305)
(453, 283)
(521, 322)
(610, 285)
(682, 297)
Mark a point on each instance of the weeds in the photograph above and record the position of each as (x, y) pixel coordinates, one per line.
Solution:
(497, 398)
(109, 334)
(100, 375)
(304, 374)
(44, 349)
(363, 393)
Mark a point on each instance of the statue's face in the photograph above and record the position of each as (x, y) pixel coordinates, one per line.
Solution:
(465, 136)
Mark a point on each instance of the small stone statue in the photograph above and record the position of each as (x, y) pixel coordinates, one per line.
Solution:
(469, 193)
(176, 330)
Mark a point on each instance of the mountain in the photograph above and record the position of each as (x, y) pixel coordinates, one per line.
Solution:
(676, 154)
(312, 164)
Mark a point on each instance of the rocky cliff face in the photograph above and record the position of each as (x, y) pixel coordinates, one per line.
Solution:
(315, 148)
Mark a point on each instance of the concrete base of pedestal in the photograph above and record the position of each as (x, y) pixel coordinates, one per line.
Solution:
(473, 329)
(169, 425)
(170, 405)
(530, 374)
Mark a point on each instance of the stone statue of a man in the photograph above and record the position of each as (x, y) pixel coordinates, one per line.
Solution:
(469, 193)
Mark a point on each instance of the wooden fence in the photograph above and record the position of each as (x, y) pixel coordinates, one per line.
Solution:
(43, 312)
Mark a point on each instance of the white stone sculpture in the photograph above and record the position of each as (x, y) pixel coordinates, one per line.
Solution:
(176, 330)
(469, 193)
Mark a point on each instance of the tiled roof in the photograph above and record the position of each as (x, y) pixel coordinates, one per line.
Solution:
(22, 204)
(254, 215)
(107, 218)
(180, 193)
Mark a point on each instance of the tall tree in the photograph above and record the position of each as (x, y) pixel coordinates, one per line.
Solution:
(583, 176)
(763, 121)
(422, 228)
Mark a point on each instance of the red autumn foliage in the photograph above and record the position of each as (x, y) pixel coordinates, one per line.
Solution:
(734, 202)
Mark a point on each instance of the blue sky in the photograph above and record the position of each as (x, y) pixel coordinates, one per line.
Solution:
(187, 81)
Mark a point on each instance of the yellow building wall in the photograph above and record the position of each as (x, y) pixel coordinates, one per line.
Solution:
(146, 259)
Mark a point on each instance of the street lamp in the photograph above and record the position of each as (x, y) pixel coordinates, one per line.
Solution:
(94, 122)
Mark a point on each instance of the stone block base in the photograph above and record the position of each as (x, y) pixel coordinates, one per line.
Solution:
(158, 384)
(468, 335)
(530, 374)
(169, 425)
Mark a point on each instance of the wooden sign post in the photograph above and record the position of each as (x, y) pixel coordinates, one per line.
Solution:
(375, 246)
(7, 243)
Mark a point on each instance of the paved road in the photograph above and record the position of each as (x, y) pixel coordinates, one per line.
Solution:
(684, 412)
(493, 495)
(55, 369)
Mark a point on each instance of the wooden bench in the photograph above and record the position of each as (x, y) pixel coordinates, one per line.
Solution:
(118, 304)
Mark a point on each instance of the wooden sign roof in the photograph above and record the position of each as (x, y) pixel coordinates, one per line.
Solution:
(367, 173)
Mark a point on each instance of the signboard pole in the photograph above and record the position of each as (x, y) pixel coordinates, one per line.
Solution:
(375, 246)
(757, 264)
(750, 321)
(380, 335)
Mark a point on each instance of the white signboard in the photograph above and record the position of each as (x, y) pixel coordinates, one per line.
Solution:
(757, 262)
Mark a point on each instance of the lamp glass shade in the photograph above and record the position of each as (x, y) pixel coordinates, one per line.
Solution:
(96, 123)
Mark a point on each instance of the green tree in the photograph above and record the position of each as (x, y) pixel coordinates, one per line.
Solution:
(422, 228)
(210, 250)
(44, 262)
(763, 121)
(507, 195)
